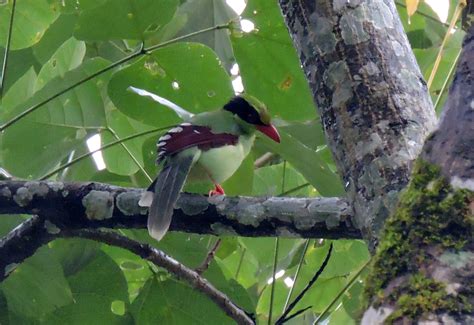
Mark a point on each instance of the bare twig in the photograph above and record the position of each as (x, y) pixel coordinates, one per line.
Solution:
(343, 290)
(283, 318)
(159, 258)
(296, 274)
(210, 255)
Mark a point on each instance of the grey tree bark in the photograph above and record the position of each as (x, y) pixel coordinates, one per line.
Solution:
(371, 96)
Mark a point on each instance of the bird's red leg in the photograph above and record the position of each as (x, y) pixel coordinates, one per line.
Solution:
(218, 190)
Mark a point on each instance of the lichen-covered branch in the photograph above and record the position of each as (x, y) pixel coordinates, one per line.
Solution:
(424, 267)
(371, 96)
(159, 258)
(93, 205)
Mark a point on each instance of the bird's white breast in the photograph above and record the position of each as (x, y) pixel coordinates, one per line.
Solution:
(221, 163)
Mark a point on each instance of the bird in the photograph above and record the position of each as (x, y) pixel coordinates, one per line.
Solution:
(206, 146)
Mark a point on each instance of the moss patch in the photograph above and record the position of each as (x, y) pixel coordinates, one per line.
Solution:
(430, 214)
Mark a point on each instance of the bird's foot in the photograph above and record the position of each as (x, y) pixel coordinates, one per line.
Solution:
(218, 190)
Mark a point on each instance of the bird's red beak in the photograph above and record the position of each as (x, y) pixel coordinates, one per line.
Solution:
(270, 131)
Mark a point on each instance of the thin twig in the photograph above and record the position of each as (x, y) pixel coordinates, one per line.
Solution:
(299, 312)
(296, 274)
(460, 6)
(240, 263)
(272, 292)
(160, 259)
(141, 51)
(446, 81)
(108, 145)
(263, 160)
(7, 50)
(210, 255)
(135, 160)
(283, 318)
(343, 290)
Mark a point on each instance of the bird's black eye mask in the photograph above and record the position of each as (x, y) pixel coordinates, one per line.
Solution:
(240, 107)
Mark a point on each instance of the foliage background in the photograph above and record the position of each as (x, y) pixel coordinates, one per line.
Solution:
(56, 43)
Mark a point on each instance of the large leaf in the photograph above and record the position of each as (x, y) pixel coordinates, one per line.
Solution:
(54, 36)
(32, 18)
(308, 162)
(188, 74)
(200, 14)
(32, 146)
(67, 57)
(37, 286)
(269, 65)
(129, 19)
(95, 288)
(171, 302)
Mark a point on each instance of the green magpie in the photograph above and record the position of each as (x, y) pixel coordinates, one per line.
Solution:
(206, 146)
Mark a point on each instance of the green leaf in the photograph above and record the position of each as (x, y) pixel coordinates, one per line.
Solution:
(200, 83)
(37, 286)
(74, 254)
(268, 181)
(235, 291)
(32, 146)
(55, 35)
(74, 6)
(130, 19)
(23, 89)
(171, 302)
(19, 62)
(95, 288)
(269, 65)
(118, 158)
(200, 14)
(67, 57)
(32, 18)
(308, 162)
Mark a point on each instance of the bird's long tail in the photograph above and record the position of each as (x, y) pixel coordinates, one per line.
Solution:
(166, 189)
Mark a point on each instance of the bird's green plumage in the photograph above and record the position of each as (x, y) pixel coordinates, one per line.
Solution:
(215, 164)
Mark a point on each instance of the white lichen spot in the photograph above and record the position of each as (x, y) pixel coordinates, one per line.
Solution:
(127, 203)
(197, 206)
(368, 146)
(65, 193)
(376, 316)
(5, 192)
(369, 69)
(322, 31)
(37, 188)
(472, 104)
(221, 229)
(336, 77)
(287, 233)
(380, 14)
(22, 197)
(352, 26)
(459, 183)
(51, 228)
(398, 48)
(249, 214)
(10, 268)
(99, 205)
(458, 260)
(340, 5)
(55, 186)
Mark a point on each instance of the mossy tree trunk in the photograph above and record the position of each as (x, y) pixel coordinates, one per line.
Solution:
(376, 112)
(424, 266)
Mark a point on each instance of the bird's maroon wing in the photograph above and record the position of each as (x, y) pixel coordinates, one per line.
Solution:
(187, 135)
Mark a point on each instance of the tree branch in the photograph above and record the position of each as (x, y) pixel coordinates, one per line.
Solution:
(93, 205)
(159, 258)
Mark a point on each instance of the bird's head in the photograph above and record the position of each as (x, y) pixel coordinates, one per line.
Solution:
(252, 113)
